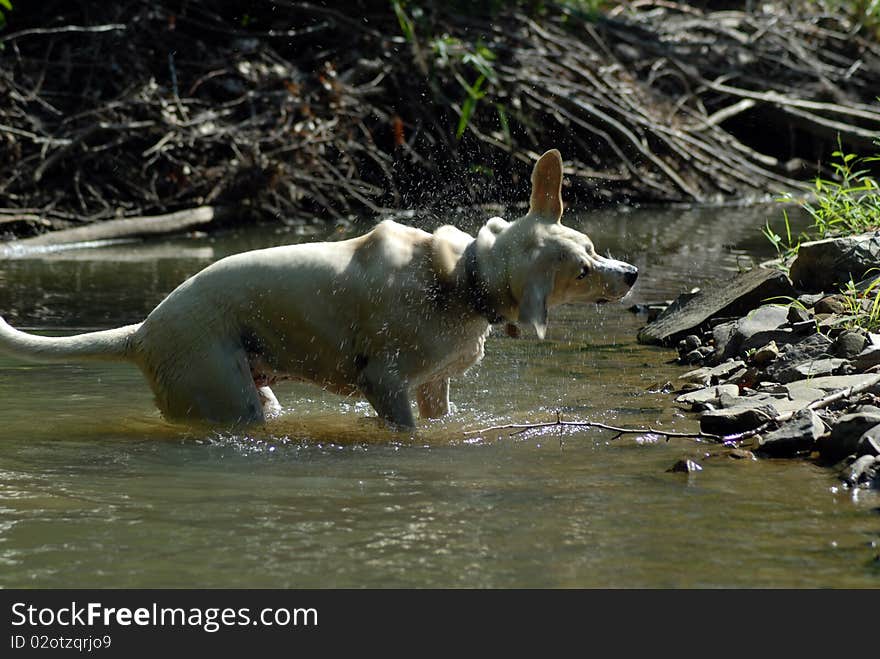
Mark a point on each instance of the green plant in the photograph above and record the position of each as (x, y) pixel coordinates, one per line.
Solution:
(6, 5)
(478, 61)
(848, 203)
(865, 316)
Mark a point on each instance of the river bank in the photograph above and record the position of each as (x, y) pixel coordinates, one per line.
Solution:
(788, 366)
(294, 113)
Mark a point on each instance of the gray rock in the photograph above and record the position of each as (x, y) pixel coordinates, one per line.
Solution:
(826, 265)
(757, 328)
(693, 357)
(812, 347)
(739, 418)
(797, 314)
(845, 434)
(864, 469)
(869, 442)
(692, 342)
(736, 296)
(796, 436)
(831, 383)
(765, 354)
(849, 344)
(831, 304)
(810, 369)
(708, 395)
(867, 358)
(741, 454)
(685, 466)
(711, 375)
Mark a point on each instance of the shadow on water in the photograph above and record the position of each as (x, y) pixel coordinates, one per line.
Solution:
(97, 490)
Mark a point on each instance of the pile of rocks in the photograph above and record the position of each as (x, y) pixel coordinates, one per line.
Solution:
(786, 360)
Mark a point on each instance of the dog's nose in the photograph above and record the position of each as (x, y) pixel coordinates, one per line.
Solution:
(631, 276)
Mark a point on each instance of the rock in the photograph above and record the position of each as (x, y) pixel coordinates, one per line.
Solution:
(736, 296)
(829, 384)
(740, 418)
(831, 304)
(756, 329)
(741, 454)
(691, 342)
(826, 265)
(693, 357)
(849, 344)
(685, 466)
(810, 369)
(867, 358)
(864, 469)
(765, 354)
(796, 436)
(814, 346)
(797, 314)
(869, 442)
(706, 351)
(844, 437)
(707, 395)
(711, 375)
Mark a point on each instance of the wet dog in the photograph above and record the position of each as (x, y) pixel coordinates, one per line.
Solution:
(393, 311)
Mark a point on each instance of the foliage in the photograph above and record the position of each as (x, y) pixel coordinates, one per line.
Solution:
(864, 311)
(847, 204)
(7, 5)
(865, 13)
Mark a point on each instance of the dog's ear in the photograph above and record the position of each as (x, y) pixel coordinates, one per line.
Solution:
(546, 200)
(533, 305)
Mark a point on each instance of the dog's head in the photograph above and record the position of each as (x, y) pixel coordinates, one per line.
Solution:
(546, 264)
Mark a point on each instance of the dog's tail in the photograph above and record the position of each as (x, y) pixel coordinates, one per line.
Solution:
(112, 344)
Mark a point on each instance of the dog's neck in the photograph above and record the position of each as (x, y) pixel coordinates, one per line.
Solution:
(481, 297)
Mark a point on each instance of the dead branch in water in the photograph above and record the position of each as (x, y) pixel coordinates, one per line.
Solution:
(728, 440)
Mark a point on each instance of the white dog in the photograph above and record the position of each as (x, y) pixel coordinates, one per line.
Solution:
(393, 310)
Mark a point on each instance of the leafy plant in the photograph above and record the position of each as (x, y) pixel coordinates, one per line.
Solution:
(848, 203)
(6, 5)
(865, 316)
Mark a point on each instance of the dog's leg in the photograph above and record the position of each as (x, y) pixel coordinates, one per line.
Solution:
(387, 394)
(216, 387)
(433, 399)
(271, 406)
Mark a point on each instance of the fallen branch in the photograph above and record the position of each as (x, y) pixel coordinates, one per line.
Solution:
(129, 227)
(727, 440)
(560, 423)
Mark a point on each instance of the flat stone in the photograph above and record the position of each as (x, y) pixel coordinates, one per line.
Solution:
(740, 418)
(826, 265)
(708, 395)
(706, 375)
(814, 346)
(831, 383)
(741, 454)
(740, 294)
(796, 436)
(869, 442)
(843, 440)
(810, 369)
(867, 358)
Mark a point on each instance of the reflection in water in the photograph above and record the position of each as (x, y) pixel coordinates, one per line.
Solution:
(97, 490)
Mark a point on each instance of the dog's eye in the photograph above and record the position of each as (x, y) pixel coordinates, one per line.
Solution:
(584, 272)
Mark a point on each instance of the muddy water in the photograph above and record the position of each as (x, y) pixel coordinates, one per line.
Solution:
(96, 490)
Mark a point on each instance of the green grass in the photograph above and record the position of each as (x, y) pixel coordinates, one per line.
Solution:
(846, 204)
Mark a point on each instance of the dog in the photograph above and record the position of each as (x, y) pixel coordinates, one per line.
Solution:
(392, 311)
